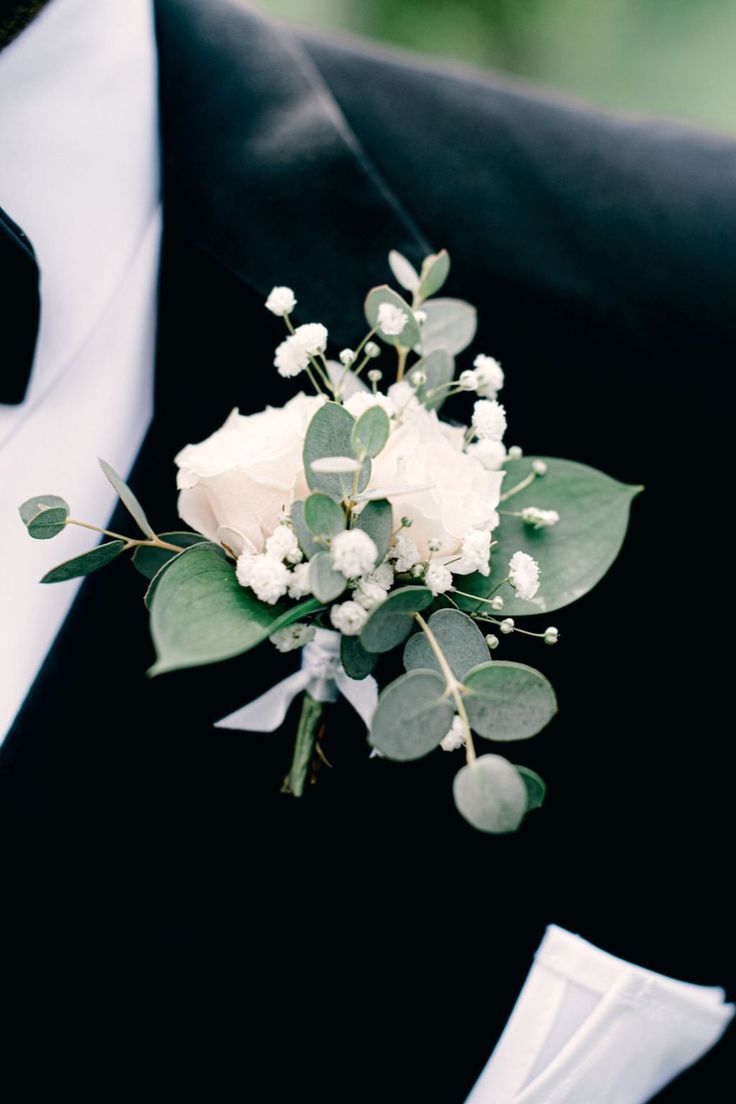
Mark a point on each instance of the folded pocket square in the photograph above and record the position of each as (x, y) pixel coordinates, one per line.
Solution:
(589, 1028)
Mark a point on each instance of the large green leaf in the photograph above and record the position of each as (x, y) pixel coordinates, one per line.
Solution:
(377, 520)
(392, 621)
(412, 716)
(201, 614)
(508, 701)
(435, 270)
(149, 561)
(44, 516)
(128, 499)
(409, 335)
(450, 325)
(201, 544)
(574, 554)
(330, 434)
(86, 563)
(461, 641)
(490, 794)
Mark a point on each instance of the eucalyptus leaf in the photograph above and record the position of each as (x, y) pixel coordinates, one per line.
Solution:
(391, 622)
(490, 794)
(508, 701)
(535, 788)
(572, 555)
(357, 662)
(202, 544)
(439, 368)
(377, 520)
(128, 499)
(370, 432)
(335, 465)
(85, 563)
(323, 516)
(403, 270)
(450, 325)
(461, 641)
(201, 614)
(307, 542)
(150, 560)
(329, 434)
(412, 716)
(409, 335)
(325, 583)
(435, 271)
(44, 516)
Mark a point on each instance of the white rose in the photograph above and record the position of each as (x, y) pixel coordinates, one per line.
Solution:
(234, 485)
(460, 493)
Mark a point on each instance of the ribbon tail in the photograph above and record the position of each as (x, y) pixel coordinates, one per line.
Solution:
(267, 713)
(361, 693)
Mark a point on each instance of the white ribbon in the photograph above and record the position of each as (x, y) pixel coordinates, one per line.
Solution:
(321, 675)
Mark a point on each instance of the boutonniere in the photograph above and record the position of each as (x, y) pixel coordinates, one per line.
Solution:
(355, 520)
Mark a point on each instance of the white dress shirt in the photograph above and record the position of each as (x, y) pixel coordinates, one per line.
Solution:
(79, 172)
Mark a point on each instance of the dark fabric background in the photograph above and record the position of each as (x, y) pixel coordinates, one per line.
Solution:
(364, 943)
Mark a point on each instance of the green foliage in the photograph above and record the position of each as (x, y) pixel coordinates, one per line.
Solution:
(44, 516)
(459, 638)
(574, 554)
(358, 663)
(450, 325)
(323, 516)
(200, 613)
(392, 621)
(128, 499)
(376, 519)
(439, 368)
(412, 716)
(508, 701)
(535, 788)
(86, 563)
(403, 271)
(330, 433)
(435, 271)
(326, 583)
(370, 432)
(490, 794)
(409, 336)
(149, 561)
(307, 542)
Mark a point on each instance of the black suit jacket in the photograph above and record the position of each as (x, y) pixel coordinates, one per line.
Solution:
(364, 942)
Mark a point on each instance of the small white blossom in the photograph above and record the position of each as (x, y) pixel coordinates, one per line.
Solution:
(489, 375)
(375, 375)
(497, 602)
(299, 581)
(404, 552)
(290, 357)
(421, 316)
(468, 380)
(292, 637)
(417, 378)
(491, 454)
(312, 337)
(455, 738)
(369, 595)
(507, 625)
(349, 618)
(283, 544)
(417, 571)
(383, 575)
(353, 553)
(492, 641)
(516, 452)
(267, 577)
(489, 419)
(361, 401)
(391, 319)
(475, 553)
(438, 578)
(434, 544)
(551, 635)
(538, 518)
(539, 467)
(281, 301)
(347, 356)
(372, 349)
(524, 575)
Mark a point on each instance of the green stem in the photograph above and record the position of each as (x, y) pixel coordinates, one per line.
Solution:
(526, 482)
(452, 686)
(306, 740)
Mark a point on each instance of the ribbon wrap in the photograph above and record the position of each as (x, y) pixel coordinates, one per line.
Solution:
(321, 675)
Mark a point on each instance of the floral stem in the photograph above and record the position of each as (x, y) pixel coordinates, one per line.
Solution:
(452, 686)
(130, 542)
(304, 746)
(527, 482)
(402, 354)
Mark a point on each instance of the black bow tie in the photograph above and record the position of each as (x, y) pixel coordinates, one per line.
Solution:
(19, 310)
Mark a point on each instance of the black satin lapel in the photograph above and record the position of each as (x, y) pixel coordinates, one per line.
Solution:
(261, 168)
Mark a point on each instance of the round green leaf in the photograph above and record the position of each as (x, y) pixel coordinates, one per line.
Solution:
(357, 662)
(325, 583)
(392, 621)
(490, 794)
(149, 561)
(409, 336)
(330, 434)
(86, 563)
(412, 717)
(535, 788)
(323, 516)
(508, 701)
(44, 516)
(403, 270)
(435, 270)
(460, 639)
(377, 520)
(574, 554)
(450, 325)
(371, 431)
(201, 614)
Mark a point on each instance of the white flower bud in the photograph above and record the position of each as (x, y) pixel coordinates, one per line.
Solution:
(349, 618)
(391, 319)
(468, 380)
(489, 419)
(312, 337)
(406, 522)
(539, 467)
(515, 452)
(353, 553)
(489, 375)
(375, 375)
(281, 301)
(434, 544)
(299, 581)
(417, 571)
(293, 636)
(551, 635)
(455, 738)
(417, 378)
(538, 518)
(372, 349)
(507, 625)
(438, 578)
(492, 641)
(421, 316)
(524, 575)
(497, 602)
(347, 356)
